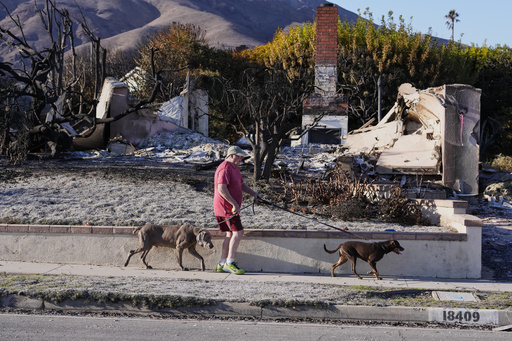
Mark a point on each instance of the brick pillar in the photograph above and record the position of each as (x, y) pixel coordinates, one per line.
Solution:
(326, 49)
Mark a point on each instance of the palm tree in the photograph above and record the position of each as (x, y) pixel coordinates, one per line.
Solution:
(452, 16)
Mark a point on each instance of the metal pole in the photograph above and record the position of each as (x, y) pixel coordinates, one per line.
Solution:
(379, 98)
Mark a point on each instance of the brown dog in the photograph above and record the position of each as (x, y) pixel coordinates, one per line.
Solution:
(180, 237)
(369, 252)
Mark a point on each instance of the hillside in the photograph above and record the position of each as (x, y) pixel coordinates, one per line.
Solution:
(121, 24)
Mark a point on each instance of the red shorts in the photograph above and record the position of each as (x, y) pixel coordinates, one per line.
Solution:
(233, 224)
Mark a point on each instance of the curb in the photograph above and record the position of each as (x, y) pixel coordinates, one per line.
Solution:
(502, 318)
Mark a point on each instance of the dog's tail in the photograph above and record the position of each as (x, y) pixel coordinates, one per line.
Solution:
(137, 230)
(332, 251)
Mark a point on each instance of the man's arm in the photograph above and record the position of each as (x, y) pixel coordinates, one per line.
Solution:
(249, 190)
(224, 192)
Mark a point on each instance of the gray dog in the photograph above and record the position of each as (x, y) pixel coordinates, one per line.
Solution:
(179, 237)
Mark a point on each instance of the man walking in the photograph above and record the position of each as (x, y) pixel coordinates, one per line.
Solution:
(229, 188)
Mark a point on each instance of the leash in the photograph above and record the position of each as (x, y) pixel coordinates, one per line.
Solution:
(306, 217)
(234, 215)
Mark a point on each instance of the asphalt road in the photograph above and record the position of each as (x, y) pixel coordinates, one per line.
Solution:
(48, 327)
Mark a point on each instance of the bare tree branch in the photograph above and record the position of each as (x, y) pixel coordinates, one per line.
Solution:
(264, 104)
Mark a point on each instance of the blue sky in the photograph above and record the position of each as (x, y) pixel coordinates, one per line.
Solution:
(481, 22)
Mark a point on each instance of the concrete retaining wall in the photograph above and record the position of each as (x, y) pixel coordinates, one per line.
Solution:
(444, 255)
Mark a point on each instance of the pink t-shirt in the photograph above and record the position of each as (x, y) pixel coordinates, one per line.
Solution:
(230, 175)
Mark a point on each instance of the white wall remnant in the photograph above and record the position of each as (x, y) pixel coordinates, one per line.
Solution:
(194, 106)
(199, 111)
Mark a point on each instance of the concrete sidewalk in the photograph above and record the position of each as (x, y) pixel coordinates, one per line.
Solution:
(496, 318)
(346, 280)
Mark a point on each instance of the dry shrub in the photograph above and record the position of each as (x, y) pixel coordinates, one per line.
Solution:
(398, 208)
(348, 197)
(349, 210)
(337, 194)
(502, 163)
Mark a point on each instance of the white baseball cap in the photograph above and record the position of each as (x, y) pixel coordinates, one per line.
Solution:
(237, 151)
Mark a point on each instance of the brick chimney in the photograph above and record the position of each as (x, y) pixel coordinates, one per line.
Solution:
(326, 49)
(324, 112)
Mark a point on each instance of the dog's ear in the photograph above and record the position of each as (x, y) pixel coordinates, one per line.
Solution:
(200, 237)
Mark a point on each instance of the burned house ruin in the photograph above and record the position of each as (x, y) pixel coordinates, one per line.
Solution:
(427, 132)
(189, 111)
(432, 132)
